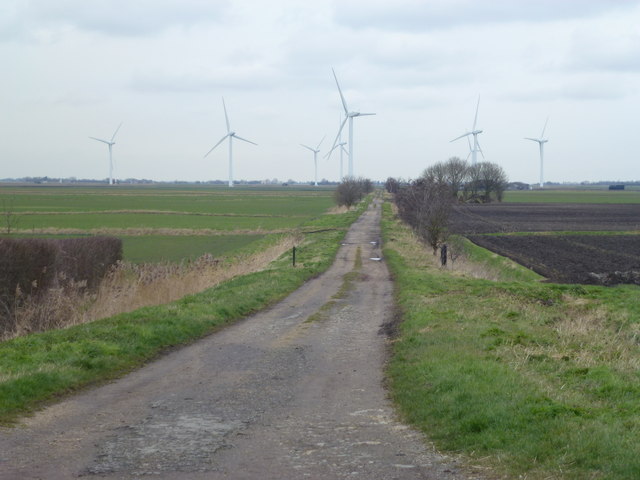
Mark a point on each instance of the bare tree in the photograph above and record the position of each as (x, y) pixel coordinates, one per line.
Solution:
(11, 219)
(426, 205)
(352, 190)
(453, 173)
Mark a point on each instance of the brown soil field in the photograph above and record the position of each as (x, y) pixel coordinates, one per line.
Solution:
(605, 259)
(571, 258)
(545, 217)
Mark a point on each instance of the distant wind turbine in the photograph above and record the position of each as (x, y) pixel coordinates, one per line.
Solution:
(347, 116)
(110, 143)
(541, 141)
(231, 135)
(315, 158)
(473, 150)
(343, 150)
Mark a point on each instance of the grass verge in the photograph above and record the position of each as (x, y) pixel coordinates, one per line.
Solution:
(531, 380)
(38, 368)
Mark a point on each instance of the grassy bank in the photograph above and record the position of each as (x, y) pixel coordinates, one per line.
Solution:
(38, 368)
(532, 380)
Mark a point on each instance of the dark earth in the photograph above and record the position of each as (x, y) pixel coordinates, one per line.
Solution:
(599, 258)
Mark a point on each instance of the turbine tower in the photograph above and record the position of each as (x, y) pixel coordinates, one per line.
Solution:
(315, 158)
(343, 150)
(347, 116)
(110, 143)
(231, 135)
(541, 141)
(473, 151)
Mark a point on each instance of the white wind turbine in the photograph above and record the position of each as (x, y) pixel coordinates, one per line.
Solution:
(315, 158)
(347, 116)
(473, 151)
(231, 135)
(110, 143)
(340, 144)
(541, 141)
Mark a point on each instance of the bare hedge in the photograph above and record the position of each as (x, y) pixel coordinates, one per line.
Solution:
(29, 267)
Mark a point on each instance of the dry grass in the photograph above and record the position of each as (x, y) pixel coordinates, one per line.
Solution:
(131, 286)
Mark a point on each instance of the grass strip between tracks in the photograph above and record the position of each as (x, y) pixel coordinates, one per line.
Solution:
(38, 368)
(528, 379)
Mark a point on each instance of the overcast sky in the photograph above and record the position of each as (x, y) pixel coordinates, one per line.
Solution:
(77, 68)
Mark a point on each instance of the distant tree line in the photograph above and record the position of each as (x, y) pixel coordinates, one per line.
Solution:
(426, 203)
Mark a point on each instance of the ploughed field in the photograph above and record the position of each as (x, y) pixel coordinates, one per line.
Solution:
(566, 243)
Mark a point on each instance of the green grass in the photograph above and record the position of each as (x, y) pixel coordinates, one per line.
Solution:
(572, 196)
(137, 220)
(530, 379)
(41, 367)
(162, 248)
(164, 207)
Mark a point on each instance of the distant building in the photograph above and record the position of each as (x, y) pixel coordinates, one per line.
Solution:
(616, 187)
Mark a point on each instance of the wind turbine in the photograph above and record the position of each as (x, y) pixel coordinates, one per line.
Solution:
(541, 141)
(231, 135)
(110, 143)
(315, 158)
(347, 116)
(473, 151)
(340, 144)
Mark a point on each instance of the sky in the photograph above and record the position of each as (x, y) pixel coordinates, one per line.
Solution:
(72, 69)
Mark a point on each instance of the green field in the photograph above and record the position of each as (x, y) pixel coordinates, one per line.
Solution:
(572, 196)
(160, 223)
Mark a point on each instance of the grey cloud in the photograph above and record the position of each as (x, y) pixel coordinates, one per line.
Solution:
(592, 89)
(417, 15)
(250, 78)
(122, 17)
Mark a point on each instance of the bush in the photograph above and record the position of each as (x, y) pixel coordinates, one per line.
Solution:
(30, 267)
(352, 190)
(425, 205)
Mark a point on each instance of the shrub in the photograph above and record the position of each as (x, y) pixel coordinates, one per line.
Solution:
(31, 267)
(352, 190)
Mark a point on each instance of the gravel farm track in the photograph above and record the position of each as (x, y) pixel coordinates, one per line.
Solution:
(296, 391)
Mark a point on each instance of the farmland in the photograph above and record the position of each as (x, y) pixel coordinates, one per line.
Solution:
(530, 379)
(164, 223)
(564, 242)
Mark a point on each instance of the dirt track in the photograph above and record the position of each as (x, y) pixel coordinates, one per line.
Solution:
(293, 392)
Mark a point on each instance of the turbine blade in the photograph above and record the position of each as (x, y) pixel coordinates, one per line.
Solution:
(308, 147)
(100, 140)
(339, 131)
(344, 102)
(226, 117)
(461, 136)
(245, 140)
(362, 114)
(480, 150)
(532, 139)
(114, 133)
(475, 120)
(320, 142)
(214, 147)
(544, 128)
